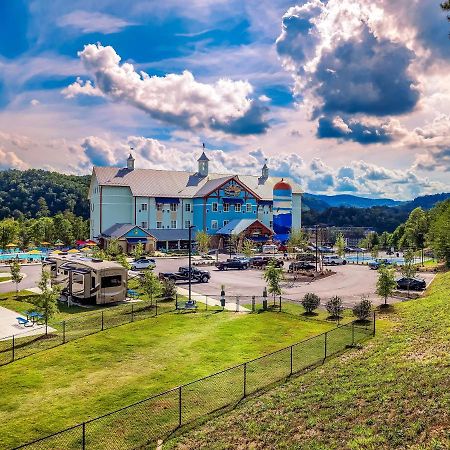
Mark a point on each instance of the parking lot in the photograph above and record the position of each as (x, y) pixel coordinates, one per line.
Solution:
(350, 282)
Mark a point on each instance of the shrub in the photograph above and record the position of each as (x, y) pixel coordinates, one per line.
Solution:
(169, 289)
(310, 302)
(362, 309)
(334, 306)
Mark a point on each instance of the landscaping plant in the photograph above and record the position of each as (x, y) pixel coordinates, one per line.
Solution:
(168, 289)
(273, 276)
(386, 283)
(150, 284)
(362, 309)
(47, 300)
(310, 302)
(16, 276)
(335, 307)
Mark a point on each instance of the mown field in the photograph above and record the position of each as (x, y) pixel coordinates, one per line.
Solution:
(394, 393)
(63, 386)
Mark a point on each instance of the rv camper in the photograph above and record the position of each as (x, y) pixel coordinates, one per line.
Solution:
(88, 280)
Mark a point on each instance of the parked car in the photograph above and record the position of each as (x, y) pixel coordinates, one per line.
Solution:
(234, 263)
(199, 275)
(413, 284)
(143, 263)
(350, 249)
(301, 265)
(333, 260)
(325, 249)
(282, 248)
(311, 257)
(262, 261)
(270, 248)
(375, 265)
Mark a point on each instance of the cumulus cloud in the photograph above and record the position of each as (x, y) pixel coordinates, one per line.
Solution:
(345, 71)
(93, 22)
(80, 87)
(99, 152)
(177, 99)
(9, 160)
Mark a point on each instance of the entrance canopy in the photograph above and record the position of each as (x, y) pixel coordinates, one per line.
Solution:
(253, 229)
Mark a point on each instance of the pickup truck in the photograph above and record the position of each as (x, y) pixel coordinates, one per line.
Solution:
(233, 263)
(262, 261)
(301, 265)
(198, 275)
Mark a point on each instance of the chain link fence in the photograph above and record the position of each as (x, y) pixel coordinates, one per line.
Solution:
(56, 333)
(146, 422)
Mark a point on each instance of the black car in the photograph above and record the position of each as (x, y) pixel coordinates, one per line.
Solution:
(301, 265)
(233, 263)
(263, 261)
(202, 276)
(413, 284)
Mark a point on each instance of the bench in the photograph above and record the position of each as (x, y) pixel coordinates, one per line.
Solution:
(24, 322)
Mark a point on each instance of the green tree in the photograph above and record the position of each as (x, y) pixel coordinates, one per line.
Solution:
(310, 302)
(203, 240)
(247, 247)
(362, 309)
(273, 276)
(416, 228)
(168, 289)
(63, 230)
(150, 285)
(138, 250)
(43, 208)
(47, 300)
(439, 231)
(340, 245)
(121, 258)
(297, 239)
(385, 240)
(374, 252)
(16, 275)
(9, 229)
(334, 307)
(113, 249)
(386, 283)
(408, 268)
(397, 236)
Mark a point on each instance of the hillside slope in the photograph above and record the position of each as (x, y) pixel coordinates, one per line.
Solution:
(392, 394)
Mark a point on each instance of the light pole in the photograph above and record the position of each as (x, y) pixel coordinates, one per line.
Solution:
(190, 260)
(317, 249)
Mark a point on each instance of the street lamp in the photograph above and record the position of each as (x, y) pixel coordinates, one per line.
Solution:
(190, 260)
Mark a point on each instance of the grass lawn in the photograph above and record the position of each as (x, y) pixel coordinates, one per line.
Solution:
(392, 394)
(68, 384)
(4, 277)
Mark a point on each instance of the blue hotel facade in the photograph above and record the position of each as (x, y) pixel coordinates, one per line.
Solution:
(166, 203)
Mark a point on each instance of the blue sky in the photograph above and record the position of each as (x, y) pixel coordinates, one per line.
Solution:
(345, 96)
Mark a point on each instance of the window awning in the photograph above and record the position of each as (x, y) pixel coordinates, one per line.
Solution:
(136, 240)
(232, 200)
(167, 200)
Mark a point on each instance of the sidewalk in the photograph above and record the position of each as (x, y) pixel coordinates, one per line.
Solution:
(229, 306)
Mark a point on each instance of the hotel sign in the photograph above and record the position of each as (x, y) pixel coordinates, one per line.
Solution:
(232, 190)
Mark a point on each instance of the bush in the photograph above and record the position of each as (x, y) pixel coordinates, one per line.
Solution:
(363, 309)
(334, 306)
(169, 289)
(310, 302)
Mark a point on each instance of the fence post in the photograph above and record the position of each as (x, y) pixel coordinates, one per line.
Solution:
(374, 314)
(64, 331)
(292, 358)
(180, 420)
(325, 349)
(13, 348)
(353, 334)
(245, 380)
(237, 303)
(103, 322)
(176, 302)
(280, 303)
(156, 304)
(253, 303)
(132, 312)
(206, 301)
(83, 439)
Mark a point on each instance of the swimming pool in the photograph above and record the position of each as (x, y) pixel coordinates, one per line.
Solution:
(368, 258)
(21, 255)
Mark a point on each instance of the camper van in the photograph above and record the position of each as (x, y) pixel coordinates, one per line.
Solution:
(88, 280)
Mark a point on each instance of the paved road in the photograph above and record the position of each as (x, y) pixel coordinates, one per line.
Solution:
(32, 272)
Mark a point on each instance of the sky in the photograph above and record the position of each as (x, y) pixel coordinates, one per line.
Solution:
(344, 96)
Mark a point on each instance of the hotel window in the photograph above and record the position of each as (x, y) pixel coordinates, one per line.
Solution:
(214, 225)
(249, 207)
(187, 223)
(271, 224)
(159, 207)
(187, 207)
(158, 224)
(144, 225)
(214, 207)
(173, 224)
(226, 207)
(225, 222)
(270, 208)
(237, 207)
(144, 207)
(173, 206)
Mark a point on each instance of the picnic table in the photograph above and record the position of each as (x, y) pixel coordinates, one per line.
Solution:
(34, 316)
(132, 293)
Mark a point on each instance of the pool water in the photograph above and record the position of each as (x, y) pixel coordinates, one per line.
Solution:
(368, 258)
(21, 255)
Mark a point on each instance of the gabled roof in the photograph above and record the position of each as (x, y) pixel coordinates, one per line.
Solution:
(170, 183)
(203, 157)
(120, 229)
(237, 226)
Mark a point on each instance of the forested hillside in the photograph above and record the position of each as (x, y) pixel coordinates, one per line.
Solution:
(35, 193)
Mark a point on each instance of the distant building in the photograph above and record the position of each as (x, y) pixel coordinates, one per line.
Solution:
(166, 203)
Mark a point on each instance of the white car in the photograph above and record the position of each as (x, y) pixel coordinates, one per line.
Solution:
(333, 260)
(143, 263)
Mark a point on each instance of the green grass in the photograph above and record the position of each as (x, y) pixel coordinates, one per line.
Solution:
(88, 377)
(4, 277)
(392, 394)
